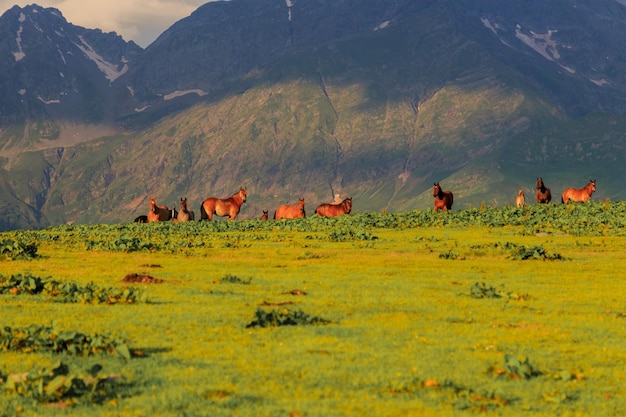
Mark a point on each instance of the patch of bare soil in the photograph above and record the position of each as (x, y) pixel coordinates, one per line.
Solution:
(141, 278)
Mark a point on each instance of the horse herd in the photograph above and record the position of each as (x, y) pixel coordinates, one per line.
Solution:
(232, 205)
(444, 199)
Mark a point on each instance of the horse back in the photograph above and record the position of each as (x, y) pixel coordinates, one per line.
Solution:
(449, 197)
(321, 210)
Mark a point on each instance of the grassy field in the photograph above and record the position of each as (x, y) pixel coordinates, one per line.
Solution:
(497, 311)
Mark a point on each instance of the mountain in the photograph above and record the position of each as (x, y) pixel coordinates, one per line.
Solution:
(375, 99)
(54, 70)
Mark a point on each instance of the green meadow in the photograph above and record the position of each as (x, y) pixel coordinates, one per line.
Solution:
(492, 311)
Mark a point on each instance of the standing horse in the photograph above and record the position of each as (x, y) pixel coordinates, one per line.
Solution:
(184, 215)
(520, 200)
(223, 207)
(158, 213)
(264, 216)
(443, 199)
(345, 207)
(290, 212)
(579, 194)
(543, 194)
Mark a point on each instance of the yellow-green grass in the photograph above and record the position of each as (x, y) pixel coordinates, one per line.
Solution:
(406, 337)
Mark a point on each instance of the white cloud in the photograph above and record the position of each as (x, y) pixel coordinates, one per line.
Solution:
(141, 21)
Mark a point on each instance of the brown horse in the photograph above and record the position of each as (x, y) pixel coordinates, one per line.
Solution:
(579, 194)
(443, 199)
(543, 194)
(520, 200)
(345, 207)
(223, 207)
(264, 216)
(158, 213)
(290, 212)
(184, 215)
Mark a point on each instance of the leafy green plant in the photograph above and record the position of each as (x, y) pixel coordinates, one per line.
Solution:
(233, 279)
(484, 290)
(284, 317)
(13, 249)
(68, 292)
(350, 234)
(49, 339)
(64, 386)
(536, 252)
(518, 368)
(450, 254)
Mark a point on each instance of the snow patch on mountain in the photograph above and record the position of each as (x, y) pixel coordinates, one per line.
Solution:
(601, 82)
(44, 101)
(382, 25)
(543, 44)
(19, 55)
(183, 93)
(109, 70)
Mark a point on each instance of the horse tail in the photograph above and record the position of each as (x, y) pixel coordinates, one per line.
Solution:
(203, 213)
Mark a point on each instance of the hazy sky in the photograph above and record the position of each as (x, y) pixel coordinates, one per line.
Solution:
(137, 20)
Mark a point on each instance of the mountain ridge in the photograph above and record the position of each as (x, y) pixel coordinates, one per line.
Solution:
(378, 107)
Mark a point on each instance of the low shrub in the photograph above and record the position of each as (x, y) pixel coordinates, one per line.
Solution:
(233, 279)
(484, 290)
(11, 249)
(536, 252)
(284, 317)
(49, 339)
(63, 387)
(69, 292)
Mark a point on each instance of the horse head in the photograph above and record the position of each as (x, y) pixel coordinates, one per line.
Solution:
(243, 194)
(540, 185)
(436, 189)
(348, 205)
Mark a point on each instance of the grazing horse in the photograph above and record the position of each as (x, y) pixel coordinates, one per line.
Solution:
(543, 194)
(141, 219)
(520, 200)
(443, 199)
(290, 212)
(158, 213)
(223, 207)
(579, 194)
(345, 207)
(264, 216)
(184, 215)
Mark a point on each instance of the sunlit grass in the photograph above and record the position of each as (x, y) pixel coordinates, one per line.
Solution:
(405, 338)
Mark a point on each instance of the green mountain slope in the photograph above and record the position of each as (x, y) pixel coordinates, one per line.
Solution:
(378, 117)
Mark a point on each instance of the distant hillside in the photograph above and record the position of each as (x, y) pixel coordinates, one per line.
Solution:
(370, 99)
